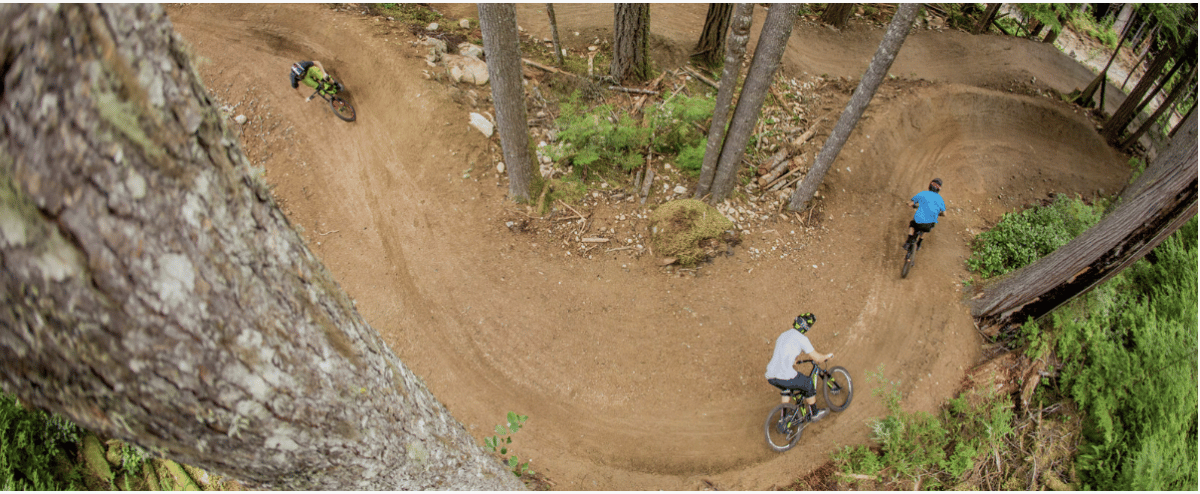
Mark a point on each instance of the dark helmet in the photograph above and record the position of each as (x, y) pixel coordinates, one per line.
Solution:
(935, 185)
(804, 322)
(297, 70)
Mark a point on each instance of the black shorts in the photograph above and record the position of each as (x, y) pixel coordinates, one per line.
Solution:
(801, 382)
(921, 227)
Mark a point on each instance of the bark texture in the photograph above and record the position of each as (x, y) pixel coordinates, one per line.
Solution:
(1157, 204)
(1115, 126)
(1180, 87)
(986, 22)
(153, 291)
(711, 46)
(739, 34)
(777, 28)
(631, 42)
(558, 54)
(838, 14)
(897, 31)
(498, 22)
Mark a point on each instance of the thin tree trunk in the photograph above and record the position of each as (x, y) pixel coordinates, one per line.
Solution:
(154, 292)
(838, 14)
(1141, 58)
(772, 42)
(498, 22)
(1124, 114)
(1052, 36)
(983, 24)
(1122, 22)
(1085, 97)
(1158, 87)
(1162, 108)
(558, 51)
(1162, 200)
(897, 31)
(711, 45)
(735, 50)
(631, 42)
(1190, 113)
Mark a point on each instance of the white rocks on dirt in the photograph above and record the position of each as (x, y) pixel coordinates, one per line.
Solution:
(467, 69)
(464, 23)
(240, 119)
(433, 26)
(470, 50)
(482, 124)
(500, 167)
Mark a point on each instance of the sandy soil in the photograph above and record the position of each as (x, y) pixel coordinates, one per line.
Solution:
(633, 376)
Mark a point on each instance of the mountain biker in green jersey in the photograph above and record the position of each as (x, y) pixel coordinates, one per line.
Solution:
(929, 206)
(781, 371)
(313, 75)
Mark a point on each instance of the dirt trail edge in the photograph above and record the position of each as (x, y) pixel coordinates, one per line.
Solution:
(632, 378)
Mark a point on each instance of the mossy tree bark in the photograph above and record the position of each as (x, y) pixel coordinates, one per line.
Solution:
(153, 291)
(631, 42)
(896, 33)
(1161, 200)
(498, 22)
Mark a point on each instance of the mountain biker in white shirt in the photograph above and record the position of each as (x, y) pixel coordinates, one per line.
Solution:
(781, 371)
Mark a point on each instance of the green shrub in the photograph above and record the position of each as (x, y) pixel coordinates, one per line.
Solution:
(597, 139)
(675, 123)
(691, 159)
(35, 449)
(1023, 237)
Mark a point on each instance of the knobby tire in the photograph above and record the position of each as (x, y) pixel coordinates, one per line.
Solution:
(341, 108)
(785, 440)
(909, 259)
(838, 389)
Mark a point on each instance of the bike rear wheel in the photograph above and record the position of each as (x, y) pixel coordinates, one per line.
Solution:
(838, 389)
(341, 108)
(783, 427)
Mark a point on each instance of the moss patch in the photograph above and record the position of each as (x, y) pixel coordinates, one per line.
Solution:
(688, 230)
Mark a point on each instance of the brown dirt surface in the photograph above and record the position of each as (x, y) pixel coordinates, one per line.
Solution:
(637, 376)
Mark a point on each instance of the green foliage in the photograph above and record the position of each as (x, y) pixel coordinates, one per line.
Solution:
(598, 139)
(499, 443)
(936, 450)
(691, 159)
(1129, 360)
(1046, 14)
(1023, 237)
(675, 123)
(410, 12)
(34, 446)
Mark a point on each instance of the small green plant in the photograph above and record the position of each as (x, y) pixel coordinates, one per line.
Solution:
(598, 139)
(675, 123)
(35, 449)
(499, 443)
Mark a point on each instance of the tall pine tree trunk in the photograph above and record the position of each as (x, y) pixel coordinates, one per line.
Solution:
(710, 47)
(631, 42)
(838, 14)
(1085, 97)
(498, 22)
(1115, 126)
(1156, 205)
(735, 50)
(772, 42)
(984, 23)
(1167, 104)
(897, 31)
(154, 292)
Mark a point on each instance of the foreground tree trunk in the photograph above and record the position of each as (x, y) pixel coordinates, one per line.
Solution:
(711, 46)
(1156, 205)
(153, 291)
(897, 31)
(838, 14)
(631, 42)
(498, 22)
(735, 50)
(772, 41)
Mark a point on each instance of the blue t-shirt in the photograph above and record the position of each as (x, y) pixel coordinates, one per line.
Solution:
(929, 205)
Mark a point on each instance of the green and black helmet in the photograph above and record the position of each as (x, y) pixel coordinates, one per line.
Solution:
(804, 322)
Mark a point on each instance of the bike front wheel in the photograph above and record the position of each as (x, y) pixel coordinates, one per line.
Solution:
(341, 108)
(909, 259)
(783, 427)
(838, 389)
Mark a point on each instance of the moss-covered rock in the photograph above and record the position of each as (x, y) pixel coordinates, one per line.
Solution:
(172, 477)
(97, 474)
(688, 230)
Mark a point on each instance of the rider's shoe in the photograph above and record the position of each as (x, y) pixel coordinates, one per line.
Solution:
(820, 414)
(906, 245)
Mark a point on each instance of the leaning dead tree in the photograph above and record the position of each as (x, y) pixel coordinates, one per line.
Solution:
(153, 291)
(1153, 207)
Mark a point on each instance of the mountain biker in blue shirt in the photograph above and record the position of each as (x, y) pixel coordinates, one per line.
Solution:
(313, 75)
(781, 371)
(929, 206)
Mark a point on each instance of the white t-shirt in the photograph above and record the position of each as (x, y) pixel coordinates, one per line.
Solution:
(788, 347)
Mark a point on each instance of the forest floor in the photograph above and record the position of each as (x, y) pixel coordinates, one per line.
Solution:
(637, 376)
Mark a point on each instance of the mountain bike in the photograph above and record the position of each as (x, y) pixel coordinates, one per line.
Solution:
(329, 91)
(787, 421)
(910, 255)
